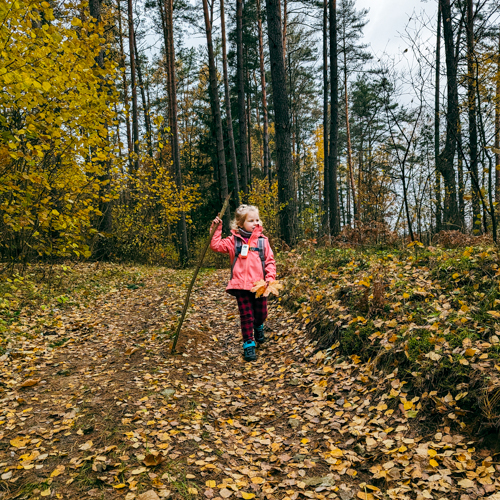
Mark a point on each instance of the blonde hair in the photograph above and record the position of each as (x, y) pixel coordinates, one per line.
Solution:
(240, 215)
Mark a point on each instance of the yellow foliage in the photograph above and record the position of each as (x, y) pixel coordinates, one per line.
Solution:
(266, 199)
(55, 112)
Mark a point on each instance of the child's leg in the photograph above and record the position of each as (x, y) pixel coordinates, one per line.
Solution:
(246, 314)
(259, 310)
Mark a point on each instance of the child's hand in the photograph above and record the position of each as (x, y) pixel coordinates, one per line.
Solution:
(216, 222)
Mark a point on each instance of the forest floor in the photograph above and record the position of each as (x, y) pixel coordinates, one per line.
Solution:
(93, 404)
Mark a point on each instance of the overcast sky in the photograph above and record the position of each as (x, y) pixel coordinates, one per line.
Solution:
(387, 20)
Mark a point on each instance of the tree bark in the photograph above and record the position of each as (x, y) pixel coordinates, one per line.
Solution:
(334, 122)
(326, 183)
(451, 218)
(437, 186)
(348, 133)
(174, 129)
(282, 124)
(240, 77)
(265, 119)
(471, 108)
(497, 129)
(216, 115)
(229, 119)
(124, 83)
(135, 122)
(145, 109)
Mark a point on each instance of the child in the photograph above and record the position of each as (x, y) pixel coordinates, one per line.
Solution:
(251, 260)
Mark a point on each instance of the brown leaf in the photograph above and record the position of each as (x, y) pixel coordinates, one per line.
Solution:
(152, 460)
(30, 382)
(259, 288)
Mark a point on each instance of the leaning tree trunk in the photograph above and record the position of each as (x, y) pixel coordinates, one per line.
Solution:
(227, 100)
(471, 108)
(135, 121)
(282, 124)
(215, 105)
(265, 138)
(334, 122)
(240, 78)
(174, 128)
(451, 217)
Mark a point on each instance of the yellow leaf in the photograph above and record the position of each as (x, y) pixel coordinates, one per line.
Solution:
(118, 486)
(193, 491)
(406, 296)
(304, 441)
(470, 352)
(258, 480)
(408, 405)
(45, 493)
(365, 496)
(58, 471)
(433, 463)
(211, 484)
(19, 442)
(247, 496)
(76, 22)
(432, 453)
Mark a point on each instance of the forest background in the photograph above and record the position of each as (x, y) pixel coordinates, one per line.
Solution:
(111, 150)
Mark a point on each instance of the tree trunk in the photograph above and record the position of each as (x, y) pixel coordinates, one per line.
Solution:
(265, 138)
(216, 115)
(451, 217)
(285, 27)
(135, 122)
(240, 77)
(229, 119)
(282, 124)
(348, 133)
(437, 187)
(145, 109)
(497, 128)
(249, 123)
(124, 82)
(326, 183)
(471, 108)
(334, 122)
(105, 222)
(174, 129)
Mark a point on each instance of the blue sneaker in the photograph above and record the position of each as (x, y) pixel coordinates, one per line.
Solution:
(259, 336)
(249, 351)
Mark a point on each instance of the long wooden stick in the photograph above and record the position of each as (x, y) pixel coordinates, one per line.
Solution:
(202, 256)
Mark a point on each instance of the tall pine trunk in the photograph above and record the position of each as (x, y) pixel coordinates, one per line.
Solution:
(124, 83)
(265, 138)
(471, 108)
(451, 217)
(497, 128)
(227, 100)
(334, 123)
(174, 128)
(326, 184)
(348, 136)
(240, 78)
(145, 109)
(437, 185)
(286, 195)
(135, 121)
(215, 105)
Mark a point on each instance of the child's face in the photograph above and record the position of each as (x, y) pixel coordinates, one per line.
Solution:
(252, 220)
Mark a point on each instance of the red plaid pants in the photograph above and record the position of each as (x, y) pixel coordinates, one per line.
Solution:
(253, 311)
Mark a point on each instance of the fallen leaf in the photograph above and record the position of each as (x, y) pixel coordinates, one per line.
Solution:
(30, 382)
(58, 471)
(247, 496)
(152, 460)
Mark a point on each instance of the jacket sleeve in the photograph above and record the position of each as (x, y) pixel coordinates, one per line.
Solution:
(270, 263)
(218, 244)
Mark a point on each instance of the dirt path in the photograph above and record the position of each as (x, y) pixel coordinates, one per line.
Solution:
(112, 415)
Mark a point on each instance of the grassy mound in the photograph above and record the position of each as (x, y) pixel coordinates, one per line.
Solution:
(426, 319)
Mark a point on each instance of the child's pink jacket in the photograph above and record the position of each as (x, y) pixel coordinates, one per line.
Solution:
(247, 271)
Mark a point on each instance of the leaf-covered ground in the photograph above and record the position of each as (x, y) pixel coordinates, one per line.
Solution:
(92, 404)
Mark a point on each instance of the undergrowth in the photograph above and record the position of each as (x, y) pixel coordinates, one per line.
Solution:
(429, 315)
